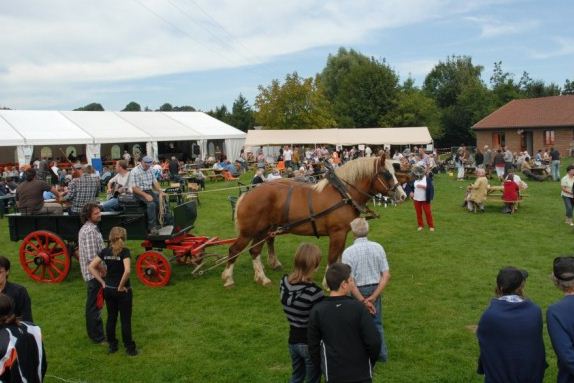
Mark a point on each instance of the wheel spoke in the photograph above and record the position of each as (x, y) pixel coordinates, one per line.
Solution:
(36, 269)
(43, 271)
(58, 261)
(48, 269)
(55, 268)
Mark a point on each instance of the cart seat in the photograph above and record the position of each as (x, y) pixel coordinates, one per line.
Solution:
(164, 233)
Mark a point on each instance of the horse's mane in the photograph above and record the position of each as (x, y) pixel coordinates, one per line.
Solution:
(352, 172)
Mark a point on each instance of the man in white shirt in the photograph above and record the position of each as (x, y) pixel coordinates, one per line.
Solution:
(368, 151)
(371, 273)
(287, 157)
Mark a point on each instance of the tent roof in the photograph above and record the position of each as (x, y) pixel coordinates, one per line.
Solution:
(106, 128)
(42, 127)
(10, 137)
(207, 126)
(160, 126)
(374, 136)
(45, 127)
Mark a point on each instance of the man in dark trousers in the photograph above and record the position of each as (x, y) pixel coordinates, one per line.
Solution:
(18, 293)
(510, 334)
(342, 337)
(560, 320)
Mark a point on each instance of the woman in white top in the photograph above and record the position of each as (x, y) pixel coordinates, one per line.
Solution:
(566, 184)
(422, 194)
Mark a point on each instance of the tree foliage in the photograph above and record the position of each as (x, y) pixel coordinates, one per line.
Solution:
(362, 90)
(461, 95)
(414, 108)
(221, 113)
(242, 116)
(166, 107)
(93, 107)
(132, 107)
(298, 103)
(568, 87)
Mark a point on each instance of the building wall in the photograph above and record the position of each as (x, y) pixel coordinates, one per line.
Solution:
(563, 138)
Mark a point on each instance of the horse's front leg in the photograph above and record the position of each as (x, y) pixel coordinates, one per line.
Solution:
(337, 240)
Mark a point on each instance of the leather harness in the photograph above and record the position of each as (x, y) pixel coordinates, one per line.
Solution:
(346, 199)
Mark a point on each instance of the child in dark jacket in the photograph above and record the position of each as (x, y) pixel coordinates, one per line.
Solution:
(342, 335)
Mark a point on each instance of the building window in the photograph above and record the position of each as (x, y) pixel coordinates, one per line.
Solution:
(548, 137)
(498, 140)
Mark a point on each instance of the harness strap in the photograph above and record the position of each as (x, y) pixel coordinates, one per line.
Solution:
(311, 214)
(287, 205)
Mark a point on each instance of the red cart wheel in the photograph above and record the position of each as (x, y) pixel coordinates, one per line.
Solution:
(153, 269)
(45, 257)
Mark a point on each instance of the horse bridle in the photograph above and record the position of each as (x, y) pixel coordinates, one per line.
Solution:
(386, 175)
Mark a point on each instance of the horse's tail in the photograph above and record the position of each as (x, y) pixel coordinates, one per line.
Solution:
(235, 212)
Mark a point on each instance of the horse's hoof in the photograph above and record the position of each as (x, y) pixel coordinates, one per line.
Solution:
(277, 266)
(229, 284)
(263, 281)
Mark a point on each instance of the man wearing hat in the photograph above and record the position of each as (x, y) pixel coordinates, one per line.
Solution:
(146, 188)
(560, 318)
(510, 333)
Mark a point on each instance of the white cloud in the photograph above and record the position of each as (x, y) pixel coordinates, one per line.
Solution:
(83, 42)
(565, 47)
(492, 27)
(415, 68)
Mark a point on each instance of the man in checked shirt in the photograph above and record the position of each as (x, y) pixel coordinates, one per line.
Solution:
(90, 243)
(371, 273)
(82, 190)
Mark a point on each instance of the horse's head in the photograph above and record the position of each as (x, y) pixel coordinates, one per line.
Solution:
(385, 181)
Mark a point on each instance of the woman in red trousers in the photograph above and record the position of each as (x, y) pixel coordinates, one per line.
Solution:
(422, 194)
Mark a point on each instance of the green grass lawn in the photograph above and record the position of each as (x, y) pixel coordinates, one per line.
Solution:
(194, 330)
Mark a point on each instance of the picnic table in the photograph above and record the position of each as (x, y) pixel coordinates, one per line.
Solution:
(541, 171)
(212, 174)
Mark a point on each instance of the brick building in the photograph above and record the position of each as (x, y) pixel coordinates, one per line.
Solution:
(530, 124)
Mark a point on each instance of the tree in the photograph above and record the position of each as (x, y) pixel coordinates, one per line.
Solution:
(93, 107)
(537, 88)
(184, 108)
(221, 113)
(298, 103)
(362, 90)
(568, 87)
(503, 86)
(166, 107)
(461, 95)
(242, 116)
(414, 108)
(132, 107)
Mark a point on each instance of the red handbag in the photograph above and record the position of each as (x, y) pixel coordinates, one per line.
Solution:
(100, 299)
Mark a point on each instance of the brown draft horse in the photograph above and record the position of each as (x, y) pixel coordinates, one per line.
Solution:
(291, 204)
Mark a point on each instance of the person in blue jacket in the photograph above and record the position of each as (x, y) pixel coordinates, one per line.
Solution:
(510, 334)
(560, 318)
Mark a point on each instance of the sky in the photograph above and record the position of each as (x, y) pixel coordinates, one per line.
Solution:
(63, 54)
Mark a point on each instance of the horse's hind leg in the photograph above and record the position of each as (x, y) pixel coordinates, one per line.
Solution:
(227, 274)
(272, 259)
(255, 251)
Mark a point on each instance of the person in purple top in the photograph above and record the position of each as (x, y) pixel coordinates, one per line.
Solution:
(560, 320)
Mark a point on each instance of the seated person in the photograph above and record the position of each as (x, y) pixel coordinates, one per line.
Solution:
(29, 195)
(117, 185)
(510, 193)
(146, 189)
(82, 189)
(526, 167)
(198, 177)
(259, 177)
(477, 191)
(274, 175)
(231, 168)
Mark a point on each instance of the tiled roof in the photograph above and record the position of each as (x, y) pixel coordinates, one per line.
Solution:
(531, 113)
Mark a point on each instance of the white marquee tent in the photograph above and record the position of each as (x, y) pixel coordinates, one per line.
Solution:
(24, 129)
(347, 137)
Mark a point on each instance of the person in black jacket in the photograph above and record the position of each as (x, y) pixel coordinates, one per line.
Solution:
(510, 334)
(18, 293)
(342, 337)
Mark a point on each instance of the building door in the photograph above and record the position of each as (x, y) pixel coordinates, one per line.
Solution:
(526, 142)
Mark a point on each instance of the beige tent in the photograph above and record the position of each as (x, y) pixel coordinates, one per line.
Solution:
(347, 137)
